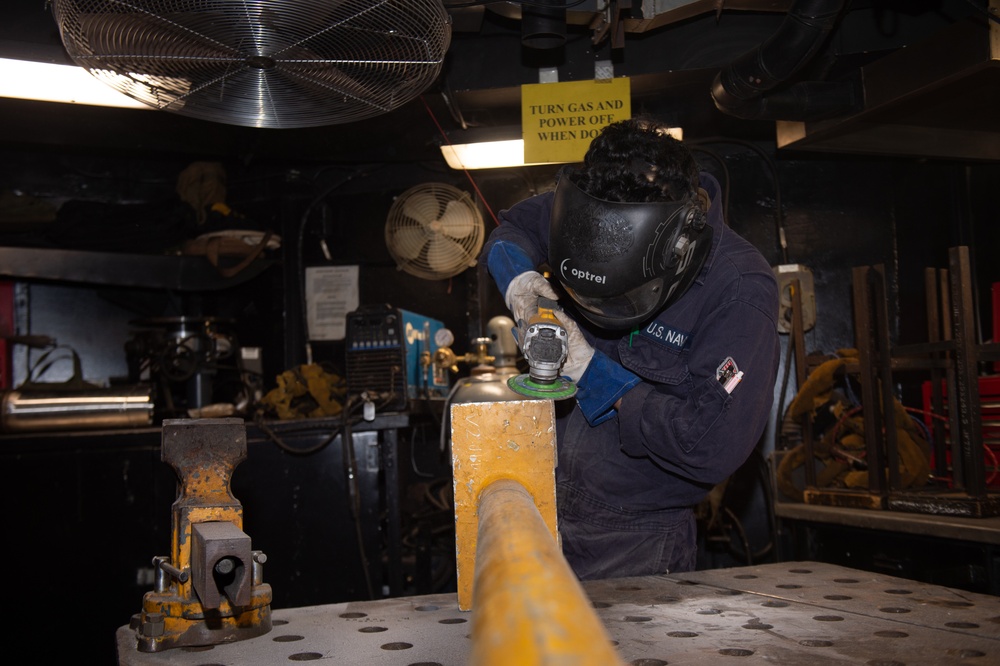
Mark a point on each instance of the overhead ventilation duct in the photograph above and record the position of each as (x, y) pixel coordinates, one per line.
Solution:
(744, 87)
(936, 98)
(543, 25)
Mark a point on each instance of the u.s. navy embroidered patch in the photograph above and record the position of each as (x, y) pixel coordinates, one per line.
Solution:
(666, 335)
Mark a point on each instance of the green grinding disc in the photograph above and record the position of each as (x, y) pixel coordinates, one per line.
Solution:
(560, 389)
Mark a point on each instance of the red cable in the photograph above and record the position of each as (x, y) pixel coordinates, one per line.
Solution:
(996, 469)
(987, 451)
(467, 174)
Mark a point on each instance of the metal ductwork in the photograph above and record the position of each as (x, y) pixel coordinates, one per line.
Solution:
(744, 87)
(649, 15)
(543, 25)
(935, 98)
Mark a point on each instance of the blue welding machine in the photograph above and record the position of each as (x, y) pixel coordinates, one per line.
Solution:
(390, 354)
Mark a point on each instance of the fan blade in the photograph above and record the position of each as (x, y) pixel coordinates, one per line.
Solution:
(422, 207)
(344, 86)
(287, 64)
(407, 242)
(458, 220)
(445, 256)
(142, 38)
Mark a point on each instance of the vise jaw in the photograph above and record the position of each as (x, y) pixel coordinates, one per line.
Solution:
(210, 589)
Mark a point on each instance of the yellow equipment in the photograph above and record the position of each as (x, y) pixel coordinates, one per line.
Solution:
(527, 605)
(210, 590)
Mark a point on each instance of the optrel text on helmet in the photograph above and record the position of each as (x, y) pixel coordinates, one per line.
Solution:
(580, 274)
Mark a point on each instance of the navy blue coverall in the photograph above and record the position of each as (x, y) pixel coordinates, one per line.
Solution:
(628, 479)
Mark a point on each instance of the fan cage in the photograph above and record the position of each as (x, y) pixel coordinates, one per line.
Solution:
(434, 231)
(261, 63)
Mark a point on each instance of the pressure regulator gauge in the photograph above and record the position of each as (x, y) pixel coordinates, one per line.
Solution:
(444, 338)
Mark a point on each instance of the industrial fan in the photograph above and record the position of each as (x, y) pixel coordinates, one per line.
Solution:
(434, 231)
(260, 63)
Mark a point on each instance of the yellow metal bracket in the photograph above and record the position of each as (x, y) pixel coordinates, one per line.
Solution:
(528, 607)
(499, 440)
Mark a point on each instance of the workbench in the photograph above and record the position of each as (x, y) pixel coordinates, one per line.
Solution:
(787, 613)
(955, 551)
(114, 483)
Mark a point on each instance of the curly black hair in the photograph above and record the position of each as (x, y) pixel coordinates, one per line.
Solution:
(635, 160)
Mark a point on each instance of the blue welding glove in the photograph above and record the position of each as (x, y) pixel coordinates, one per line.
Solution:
(506, 261)
(600, 381)
(602, 385)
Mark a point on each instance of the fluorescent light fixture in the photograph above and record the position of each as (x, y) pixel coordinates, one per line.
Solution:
(504, 153)
(485, 154)
(45, 82)
(486, 148)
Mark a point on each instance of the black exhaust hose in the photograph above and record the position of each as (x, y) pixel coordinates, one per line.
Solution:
(809, 100)
(543, 25)
(739, 88)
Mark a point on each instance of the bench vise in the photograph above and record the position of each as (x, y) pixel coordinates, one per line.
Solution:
(210, 589)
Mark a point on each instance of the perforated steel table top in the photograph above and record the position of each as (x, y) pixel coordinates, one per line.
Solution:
(786, 613)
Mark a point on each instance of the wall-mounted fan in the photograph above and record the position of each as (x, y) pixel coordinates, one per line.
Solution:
(434, 231)
(260, 63)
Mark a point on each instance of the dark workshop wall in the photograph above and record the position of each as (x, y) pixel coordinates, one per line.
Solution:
(109, 500)
(837, 213)
(347, 210)
(343, 205)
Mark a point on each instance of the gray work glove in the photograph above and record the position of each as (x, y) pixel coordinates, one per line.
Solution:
(523, 292)
(579, 353)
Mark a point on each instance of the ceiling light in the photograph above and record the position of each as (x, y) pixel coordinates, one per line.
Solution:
(486, 148)
(485, 154)
(24, 79)
(495, 152)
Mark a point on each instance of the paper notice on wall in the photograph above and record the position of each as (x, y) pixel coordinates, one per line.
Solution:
(331, 292)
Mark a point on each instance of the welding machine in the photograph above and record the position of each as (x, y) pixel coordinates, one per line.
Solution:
(389, 355)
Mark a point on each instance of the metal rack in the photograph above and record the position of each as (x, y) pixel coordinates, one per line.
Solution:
(951, 357)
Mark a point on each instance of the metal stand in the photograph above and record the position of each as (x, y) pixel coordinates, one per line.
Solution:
(968, 495)
(952, 357)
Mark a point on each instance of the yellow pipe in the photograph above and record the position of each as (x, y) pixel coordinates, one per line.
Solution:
(528, 607)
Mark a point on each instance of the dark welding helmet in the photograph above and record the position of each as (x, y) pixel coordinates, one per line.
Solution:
(624, 262)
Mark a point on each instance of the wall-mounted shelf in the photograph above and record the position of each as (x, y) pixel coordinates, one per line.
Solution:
(175, 272)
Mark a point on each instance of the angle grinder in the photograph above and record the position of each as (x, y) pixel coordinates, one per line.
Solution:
(545, 345)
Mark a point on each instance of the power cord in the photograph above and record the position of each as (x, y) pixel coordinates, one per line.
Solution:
(354, 499)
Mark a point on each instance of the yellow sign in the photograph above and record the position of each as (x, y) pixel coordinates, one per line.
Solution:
(558, 120)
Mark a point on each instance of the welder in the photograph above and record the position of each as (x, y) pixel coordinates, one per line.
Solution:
(673, 345)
